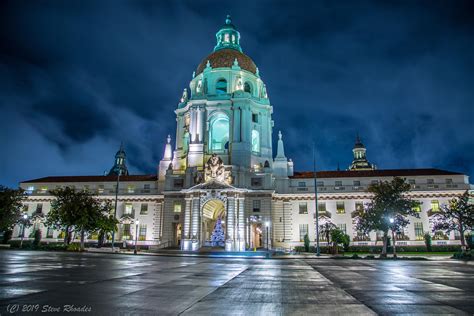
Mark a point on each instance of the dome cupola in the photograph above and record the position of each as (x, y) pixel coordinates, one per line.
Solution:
(228, 36)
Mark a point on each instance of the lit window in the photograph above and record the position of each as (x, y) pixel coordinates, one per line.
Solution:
(142, 232)
(303, 208)
(100, 188)
(256, 205)
(144, 209)
(30, 189)
(417, 208)
(43, 189)
(255, 141)
(340, 208)
(419, 233)
(126, 231)
(219, 133)
(128, 209)
(359, 206)
(131, 189)
(435, 205)
(233, 38)
(221, 86)
(177, 207)
(226, 38)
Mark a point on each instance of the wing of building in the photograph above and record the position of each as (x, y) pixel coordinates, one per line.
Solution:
(221, 174)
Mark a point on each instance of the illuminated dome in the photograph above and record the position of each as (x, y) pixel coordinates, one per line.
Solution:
(225, 58)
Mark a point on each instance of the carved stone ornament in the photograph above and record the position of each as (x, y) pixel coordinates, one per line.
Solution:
(215, 169)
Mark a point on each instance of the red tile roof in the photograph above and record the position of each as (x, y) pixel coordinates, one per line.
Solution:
(373, 173)
(145, 177)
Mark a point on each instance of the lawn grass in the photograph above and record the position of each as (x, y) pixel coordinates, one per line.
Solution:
(401, 254)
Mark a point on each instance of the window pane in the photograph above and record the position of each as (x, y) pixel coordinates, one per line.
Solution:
(303, 231)
(340, 208)
(255, 141)
(303, 208)
(221, 86)
(219, 133)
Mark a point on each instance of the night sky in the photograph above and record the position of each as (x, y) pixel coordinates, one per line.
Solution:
(79, 77)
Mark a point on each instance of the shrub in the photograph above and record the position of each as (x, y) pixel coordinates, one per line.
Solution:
(306, 243)
(355, 256)
(74, 247)
(370, 257)
(462, 255)
(469, 241)
(427, 238)
(7, 235)
(37, 240)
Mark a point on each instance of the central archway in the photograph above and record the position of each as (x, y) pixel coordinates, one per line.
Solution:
(212, 211)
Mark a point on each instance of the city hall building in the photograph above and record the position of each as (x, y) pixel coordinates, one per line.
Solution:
(222, 168)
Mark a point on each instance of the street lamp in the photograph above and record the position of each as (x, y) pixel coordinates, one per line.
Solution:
(136, 237)
(115, 208)
(318, 250)
(267, 225)
(391, 220)
(25, 218)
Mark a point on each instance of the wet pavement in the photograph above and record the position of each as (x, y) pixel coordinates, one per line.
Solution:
(113, 284)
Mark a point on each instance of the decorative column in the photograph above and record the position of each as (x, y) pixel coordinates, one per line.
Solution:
(241, 226)
(195, 223)
(186, 242)
(230, 223)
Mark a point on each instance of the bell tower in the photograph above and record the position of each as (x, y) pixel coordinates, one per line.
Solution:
(226, 113)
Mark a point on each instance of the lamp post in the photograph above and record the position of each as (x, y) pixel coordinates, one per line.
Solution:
(136, 237)
(393, 237)
(25, 218)
(115, 209)
(318, 250)
(267, 224)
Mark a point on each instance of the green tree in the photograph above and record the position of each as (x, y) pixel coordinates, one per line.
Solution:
(388, 209)
(338, 237)
(78, 211)
(427, 238)
(458, 216)
(306, 243)
(325, 230)
(11, 203)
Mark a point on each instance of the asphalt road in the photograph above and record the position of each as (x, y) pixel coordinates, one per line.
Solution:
(105, 284)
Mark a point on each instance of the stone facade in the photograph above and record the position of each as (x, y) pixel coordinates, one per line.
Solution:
(222, 167)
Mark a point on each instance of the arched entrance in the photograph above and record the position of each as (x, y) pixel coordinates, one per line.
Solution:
(213, 211)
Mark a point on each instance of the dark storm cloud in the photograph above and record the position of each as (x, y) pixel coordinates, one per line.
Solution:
(79, 77)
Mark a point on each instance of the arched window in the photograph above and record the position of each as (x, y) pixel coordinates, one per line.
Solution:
(255, 141)
(248, 88)
(221, 86)
(219, 133)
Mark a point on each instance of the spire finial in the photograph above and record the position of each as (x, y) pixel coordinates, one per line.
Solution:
(228, 20)
(357, 138)
(121, 146)
(168, 139)
(279, 135)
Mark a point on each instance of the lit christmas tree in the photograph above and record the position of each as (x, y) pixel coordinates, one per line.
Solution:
(217, 236)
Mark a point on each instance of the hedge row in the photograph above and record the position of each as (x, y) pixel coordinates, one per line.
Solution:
(378, 249)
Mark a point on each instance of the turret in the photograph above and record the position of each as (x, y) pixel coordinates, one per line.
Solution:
(360, 161)
(167, 159)
(120, 166)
